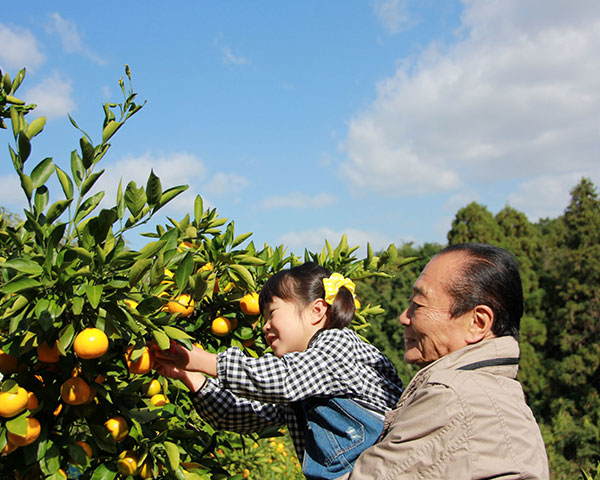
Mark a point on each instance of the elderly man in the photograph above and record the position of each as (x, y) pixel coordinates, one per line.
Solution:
(463, 416)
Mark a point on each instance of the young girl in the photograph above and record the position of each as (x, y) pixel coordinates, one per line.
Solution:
(327, 385)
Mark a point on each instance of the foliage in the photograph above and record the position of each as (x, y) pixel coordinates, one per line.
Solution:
(67, 267)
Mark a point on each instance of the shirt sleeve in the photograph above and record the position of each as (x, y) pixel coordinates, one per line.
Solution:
(426, 439)
(225, 411)
(326, 368)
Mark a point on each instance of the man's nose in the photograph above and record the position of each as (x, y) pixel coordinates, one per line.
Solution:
(403, 318)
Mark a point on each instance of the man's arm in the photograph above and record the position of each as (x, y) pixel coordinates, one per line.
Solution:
(426, 437)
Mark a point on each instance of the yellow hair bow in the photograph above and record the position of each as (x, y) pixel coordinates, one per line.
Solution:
(334, 283)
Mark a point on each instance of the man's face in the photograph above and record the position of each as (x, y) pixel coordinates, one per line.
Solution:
(430, 332)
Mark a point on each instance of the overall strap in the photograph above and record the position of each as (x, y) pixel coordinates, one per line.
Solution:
(495, 362)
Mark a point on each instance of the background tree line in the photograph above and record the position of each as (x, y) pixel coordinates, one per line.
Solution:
(560, 330)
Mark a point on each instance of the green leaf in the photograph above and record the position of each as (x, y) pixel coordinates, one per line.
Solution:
(164, 342)
(87, 152)
(56, 210)
(17, 425)
(89, 182)
(240, 238)
(110, 130)
(169, 195)
(42, 172)
(244, 274)
(87, 207)
(65, 182)
(23, 265)
(66, 337)
(138, 270)
(24, 146)
(19, 284)
(120, 201)
(151, 249)
(153, 189)
(26, 184)
(36, 127)
(94, 294)
(176, 333)
(42, 195)
(172, 455)
(184, 270)
(249, 260)
(135, 198)
(77, 168)
(198, 209)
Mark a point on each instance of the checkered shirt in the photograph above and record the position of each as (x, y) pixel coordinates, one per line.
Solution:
(250, 394)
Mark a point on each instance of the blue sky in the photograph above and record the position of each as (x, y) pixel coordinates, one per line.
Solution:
(305, 120)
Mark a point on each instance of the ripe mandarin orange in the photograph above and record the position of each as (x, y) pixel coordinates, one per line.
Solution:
(249, 304)
(75, 391)
(47, 353)
(143, 364)
(220, 326)
(11, 404)
(118, 428)
(33, 432)
(90, 343)
(182, 304)
(127, 463)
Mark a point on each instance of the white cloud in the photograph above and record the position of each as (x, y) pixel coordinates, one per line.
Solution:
(298, 200)
(229, 57)
(172, 169)
(545, 196)
(392, 14)
(12, 196)
(225, 183)
(18, 49)
(516, 97)
(460, 200)
(314, 240)
(71, 40)
(52, 96)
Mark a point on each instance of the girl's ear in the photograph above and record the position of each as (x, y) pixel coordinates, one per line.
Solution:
(319, 311)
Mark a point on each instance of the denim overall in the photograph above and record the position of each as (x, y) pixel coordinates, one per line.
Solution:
(337, 431)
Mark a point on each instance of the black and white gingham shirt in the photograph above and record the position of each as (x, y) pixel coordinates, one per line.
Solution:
(253, 393)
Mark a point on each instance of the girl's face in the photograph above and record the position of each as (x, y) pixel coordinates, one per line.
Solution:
(288, 328)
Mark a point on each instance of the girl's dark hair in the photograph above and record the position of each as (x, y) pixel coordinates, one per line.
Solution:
(304, 284)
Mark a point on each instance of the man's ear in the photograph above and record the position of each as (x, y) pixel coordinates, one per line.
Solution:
(480, 324)
(319, 311)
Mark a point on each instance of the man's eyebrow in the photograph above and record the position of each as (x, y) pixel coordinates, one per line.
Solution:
(418, 291)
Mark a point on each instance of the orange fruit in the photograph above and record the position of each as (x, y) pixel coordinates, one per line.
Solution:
(57, 410)
(143, 364)
(207, 267)
(151, 388)
(182, 304)
(131, 303)
(248, 343)
(356, 303)
(249, 304)
(11, 404)
(32, 401)
(8, 363)
(8, 448)
(118, 428)
(48, 354)
(75, 391)
(159, 400)
(220, 326)
(90, 343)
(33, 432)
(145, 470)
(86, 447)
(127, 463)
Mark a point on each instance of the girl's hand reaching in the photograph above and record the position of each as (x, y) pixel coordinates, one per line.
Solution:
(192, 380)
(195, 360)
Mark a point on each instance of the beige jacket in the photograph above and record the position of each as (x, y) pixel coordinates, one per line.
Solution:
(460, 418)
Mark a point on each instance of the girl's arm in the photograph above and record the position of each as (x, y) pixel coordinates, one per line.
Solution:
(195, 360)
(223, 410)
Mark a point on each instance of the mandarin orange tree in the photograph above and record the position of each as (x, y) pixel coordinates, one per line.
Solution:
(82, 314)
